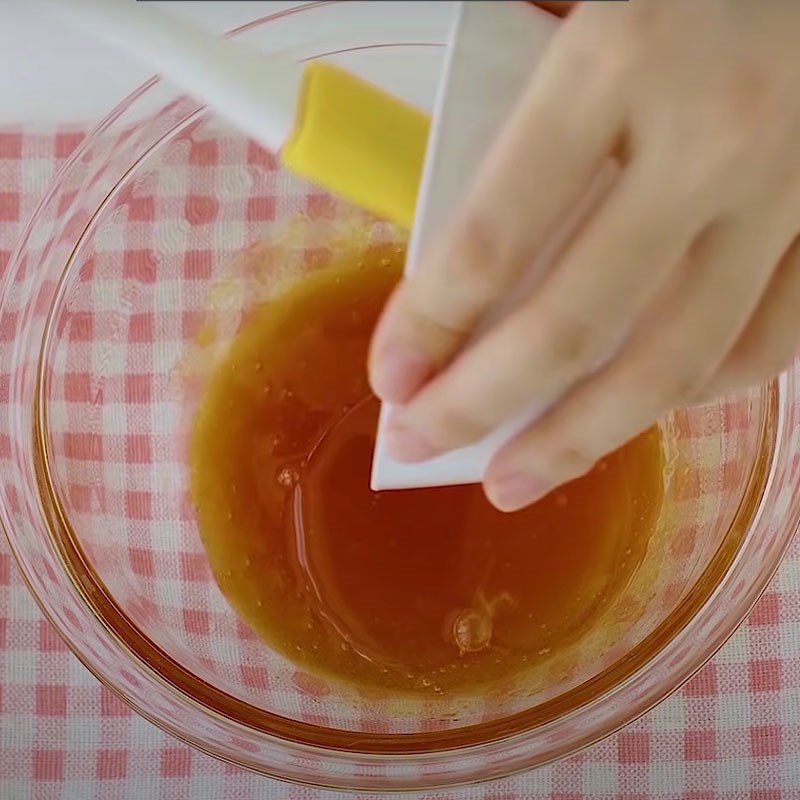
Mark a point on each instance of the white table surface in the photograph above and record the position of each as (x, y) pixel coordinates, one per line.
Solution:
(50, 75)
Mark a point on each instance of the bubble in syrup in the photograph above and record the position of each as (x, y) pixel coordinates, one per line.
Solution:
(472, 631)
(288, 477)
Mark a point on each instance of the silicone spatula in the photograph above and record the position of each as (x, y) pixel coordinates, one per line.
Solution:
(330, 126)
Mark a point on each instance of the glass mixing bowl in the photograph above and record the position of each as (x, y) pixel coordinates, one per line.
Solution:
(161, 232)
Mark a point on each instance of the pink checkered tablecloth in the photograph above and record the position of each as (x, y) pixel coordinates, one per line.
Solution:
(733, 732)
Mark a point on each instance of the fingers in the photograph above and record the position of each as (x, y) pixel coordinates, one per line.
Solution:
(538, 169)
(580, 315)
(771, 340)
(663, 367)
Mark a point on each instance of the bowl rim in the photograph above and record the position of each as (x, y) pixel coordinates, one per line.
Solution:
(442, 743)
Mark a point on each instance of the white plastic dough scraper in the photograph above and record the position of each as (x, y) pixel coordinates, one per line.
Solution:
(493, 50)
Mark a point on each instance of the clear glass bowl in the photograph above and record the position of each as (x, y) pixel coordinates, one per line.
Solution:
(161, 232)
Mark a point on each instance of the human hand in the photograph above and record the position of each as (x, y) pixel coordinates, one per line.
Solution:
(683, 285)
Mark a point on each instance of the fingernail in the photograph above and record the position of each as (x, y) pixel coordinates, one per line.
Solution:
(398, 372)
(406, 445)
(515, 491)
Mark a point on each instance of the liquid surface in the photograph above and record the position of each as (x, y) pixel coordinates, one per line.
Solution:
(427, 590)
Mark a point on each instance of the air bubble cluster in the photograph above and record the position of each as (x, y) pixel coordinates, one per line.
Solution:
(472, 631)
(289, 477)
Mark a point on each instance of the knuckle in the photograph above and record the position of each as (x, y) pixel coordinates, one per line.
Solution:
(596, 80)
(428, 326)
(591, 69)
(478, 254)
(453, 426)
(570, 340)
(725, 154)
(573, 460)
(593, 65)
(737, 121)
(561, 453)
(683, 386)
(742, 102)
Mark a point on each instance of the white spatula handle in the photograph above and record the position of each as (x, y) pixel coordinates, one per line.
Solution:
(256, 92)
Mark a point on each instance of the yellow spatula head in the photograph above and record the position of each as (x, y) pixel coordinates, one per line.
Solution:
(358, 142)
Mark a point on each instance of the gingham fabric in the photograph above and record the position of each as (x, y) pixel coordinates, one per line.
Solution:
(733, 732)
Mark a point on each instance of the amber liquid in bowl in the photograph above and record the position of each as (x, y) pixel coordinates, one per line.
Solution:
(429, 590)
